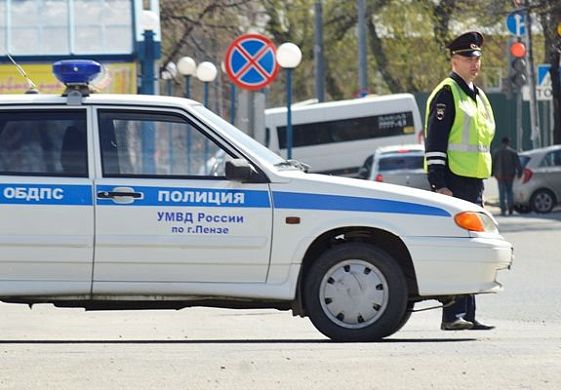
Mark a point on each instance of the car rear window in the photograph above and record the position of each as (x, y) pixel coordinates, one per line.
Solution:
(400, 162)
(524, 161)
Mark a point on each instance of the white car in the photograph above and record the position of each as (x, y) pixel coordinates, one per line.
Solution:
(397, 164)
(106, 204)
(539, 187)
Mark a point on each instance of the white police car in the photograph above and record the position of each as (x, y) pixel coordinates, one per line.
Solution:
(108, 202)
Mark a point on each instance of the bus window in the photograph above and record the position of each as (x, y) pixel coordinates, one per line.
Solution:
(267, 137)
(336, 137)
(346, 130)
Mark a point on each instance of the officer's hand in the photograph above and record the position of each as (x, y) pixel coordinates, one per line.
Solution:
(444, 191)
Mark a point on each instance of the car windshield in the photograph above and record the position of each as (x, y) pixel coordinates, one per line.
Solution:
(400, 162)
(239, 136)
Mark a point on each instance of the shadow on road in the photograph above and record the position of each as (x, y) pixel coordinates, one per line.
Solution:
(257, 341)
(553, 216)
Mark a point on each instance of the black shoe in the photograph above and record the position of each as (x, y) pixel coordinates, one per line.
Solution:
(459, 324)
(479, 326)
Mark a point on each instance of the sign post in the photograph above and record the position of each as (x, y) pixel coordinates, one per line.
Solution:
(250, 62)
(251, 65)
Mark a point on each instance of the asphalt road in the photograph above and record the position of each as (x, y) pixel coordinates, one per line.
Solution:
(200, 348)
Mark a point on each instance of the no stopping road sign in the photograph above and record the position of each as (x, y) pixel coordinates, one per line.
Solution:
(250, 61)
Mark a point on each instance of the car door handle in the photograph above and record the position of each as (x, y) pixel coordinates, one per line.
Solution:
(118, 194)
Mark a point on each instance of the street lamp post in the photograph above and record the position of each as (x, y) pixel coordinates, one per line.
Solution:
(232, 96)
(149, 53)
(206, 72)
(289, 57)
(187, 67)
(232, 103)
(169, 73)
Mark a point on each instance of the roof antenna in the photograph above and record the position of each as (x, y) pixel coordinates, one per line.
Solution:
(31, 87)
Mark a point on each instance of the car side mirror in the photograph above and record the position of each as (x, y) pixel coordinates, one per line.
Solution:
(238, 169)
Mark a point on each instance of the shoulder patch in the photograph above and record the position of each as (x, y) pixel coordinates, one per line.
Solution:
(440, 111)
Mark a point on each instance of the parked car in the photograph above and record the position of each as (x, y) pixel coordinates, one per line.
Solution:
(397, 164)
(539, 188)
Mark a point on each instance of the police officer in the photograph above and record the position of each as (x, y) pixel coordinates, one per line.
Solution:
(458, 133)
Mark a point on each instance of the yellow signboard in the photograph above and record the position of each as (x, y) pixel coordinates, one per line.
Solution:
(120, 77)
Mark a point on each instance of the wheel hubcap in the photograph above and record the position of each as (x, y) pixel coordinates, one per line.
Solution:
(354, 294)
(543, 202)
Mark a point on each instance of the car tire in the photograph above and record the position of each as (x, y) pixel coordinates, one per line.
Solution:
(356, 292)
(405, 318)
(542, 201)
(522, 209)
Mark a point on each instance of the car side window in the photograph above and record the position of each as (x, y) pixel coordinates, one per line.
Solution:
(43, 143)
(155, 144)
(401, 162)
(552, 159)
(557, 158)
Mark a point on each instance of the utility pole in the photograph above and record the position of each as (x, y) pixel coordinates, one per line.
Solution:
(318, 52)
(362, 60)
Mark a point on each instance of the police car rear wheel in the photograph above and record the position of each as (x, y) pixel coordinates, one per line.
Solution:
(355, 292)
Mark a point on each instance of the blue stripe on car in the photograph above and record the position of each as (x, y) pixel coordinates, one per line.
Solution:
(81, 195)
(305, 201)
(190, 197)
(46, 194)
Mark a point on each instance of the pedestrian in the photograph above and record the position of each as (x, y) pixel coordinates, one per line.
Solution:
(458, 133)
(506, 166)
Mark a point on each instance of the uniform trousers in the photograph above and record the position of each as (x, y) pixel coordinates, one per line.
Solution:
(470, 189)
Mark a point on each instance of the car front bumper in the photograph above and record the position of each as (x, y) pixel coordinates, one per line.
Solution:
(451, 266)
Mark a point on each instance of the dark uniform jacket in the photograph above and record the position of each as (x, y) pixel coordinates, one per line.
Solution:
(441, 116)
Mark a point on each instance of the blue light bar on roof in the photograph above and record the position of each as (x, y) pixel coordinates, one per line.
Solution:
(76, 72)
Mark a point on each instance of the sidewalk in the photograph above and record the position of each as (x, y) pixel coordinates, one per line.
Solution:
(491, 196)
(491, 193)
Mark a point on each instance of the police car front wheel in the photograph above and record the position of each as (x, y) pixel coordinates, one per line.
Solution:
(355, 292)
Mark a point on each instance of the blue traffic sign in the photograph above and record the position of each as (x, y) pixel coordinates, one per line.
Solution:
(543, 75)
(515, 23)
(544, 90)
(251, 61)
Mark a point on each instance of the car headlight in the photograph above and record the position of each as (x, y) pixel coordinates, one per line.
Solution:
(475, 221)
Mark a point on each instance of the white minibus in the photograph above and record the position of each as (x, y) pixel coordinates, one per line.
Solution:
(336, 137)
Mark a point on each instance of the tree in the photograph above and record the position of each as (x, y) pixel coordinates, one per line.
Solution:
(202, 30)
(406, 38)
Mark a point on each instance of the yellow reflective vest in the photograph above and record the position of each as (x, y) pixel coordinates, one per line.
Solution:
(471, 134)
